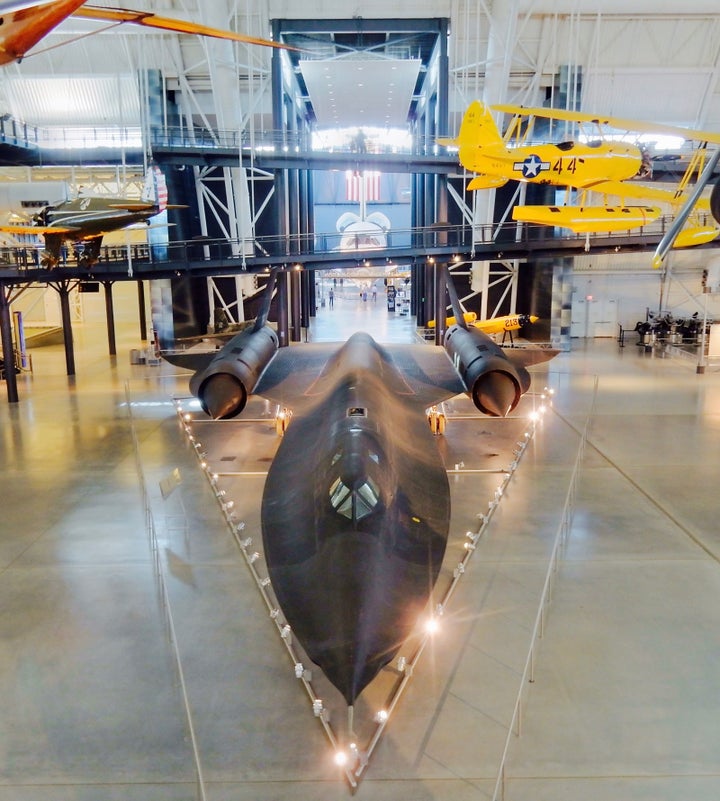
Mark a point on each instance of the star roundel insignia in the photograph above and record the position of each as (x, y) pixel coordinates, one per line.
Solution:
(532, 166)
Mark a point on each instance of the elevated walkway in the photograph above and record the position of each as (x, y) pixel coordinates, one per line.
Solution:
(26, 145)
(202, 258)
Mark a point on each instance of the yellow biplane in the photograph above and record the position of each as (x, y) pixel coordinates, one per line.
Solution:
(25, 23)
(603, 164)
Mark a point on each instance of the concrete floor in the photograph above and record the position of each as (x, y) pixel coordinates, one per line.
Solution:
(626, 692)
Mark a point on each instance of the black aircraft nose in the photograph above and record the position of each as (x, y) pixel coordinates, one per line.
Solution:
(496, 393)
(223, 396)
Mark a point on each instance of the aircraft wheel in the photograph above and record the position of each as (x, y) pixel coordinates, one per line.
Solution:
(441, 422)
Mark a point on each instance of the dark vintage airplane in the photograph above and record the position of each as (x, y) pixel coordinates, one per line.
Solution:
(356, 506)
(23, 24)
(84, 220)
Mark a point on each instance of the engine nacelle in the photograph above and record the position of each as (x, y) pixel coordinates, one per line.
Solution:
(715, 202)
(493, 382)
(224, 386)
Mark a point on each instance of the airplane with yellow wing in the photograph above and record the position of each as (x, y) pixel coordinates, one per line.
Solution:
(493, 325)
(24, 24)
(83, 221)
(604, 165)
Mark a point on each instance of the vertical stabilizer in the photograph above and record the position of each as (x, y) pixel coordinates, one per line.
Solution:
(155, 189)
(264, 310)
(478, 129)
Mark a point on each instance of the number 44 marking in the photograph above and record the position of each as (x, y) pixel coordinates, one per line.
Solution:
(565, 165)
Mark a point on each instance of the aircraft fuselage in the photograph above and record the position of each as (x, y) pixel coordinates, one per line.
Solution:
(93, 216)
(574, 164)
(355, 517)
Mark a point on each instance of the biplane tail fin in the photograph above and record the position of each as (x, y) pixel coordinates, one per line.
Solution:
(477, 130)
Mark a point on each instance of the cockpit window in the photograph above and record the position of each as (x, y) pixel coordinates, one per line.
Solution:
(366, 499)
(341, 498)
(354, 504)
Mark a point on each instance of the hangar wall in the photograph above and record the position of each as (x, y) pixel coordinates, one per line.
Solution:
(630, 281)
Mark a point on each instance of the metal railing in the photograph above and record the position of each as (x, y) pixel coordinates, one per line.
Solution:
(277, 141)
(18, 132)
(507, 240)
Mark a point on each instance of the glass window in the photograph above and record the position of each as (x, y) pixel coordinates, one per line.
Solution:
(354, 505)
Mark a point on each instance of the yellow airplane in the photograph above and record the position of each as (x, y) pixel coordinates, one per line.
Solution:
(602, 166)
(494, 325)
(24, 24)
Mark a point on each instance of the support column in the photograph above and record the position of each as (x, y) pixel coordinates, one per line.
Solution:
(7, 343)
(307, 297)
(278, 120)
(441, 115)
(417, 290)
(502, 35)
(439, 278)
(63, 289)
(428, 305)
(282, 309)
(110, 317)
(141, 309)
(295, 305)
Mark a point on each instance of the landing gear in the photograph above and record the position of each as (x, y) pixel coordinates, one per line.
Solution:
(282, 420)
(437, 420)
(49, 260)
(87, 252)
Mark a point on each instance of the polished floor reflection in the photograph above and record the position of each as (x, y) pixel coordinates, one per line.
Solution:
(623, 704)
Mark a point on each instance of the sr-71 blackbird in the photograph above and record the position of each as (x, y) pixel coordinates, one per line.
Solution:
(356, 506)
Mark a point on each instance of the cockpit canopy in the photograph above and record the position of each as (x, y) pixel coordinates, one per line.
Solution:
(354, 503)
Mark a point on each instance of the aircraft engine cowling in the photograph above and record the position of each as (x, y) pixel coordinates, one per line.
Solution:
(224, 386)
(715, 202)
(493, 382)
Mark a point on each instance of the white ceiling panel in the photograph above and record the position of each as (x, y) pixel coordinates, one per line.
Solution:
(357, 92)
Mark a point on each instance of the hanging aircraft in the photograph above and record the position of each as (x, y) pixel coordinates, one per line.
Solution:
(605, 165)
(84, 220)
(23, 24)
(356, 506)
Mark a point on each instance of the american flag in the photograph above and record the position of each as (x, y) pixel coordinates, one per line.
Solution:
(155, 189)
(354, 181)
